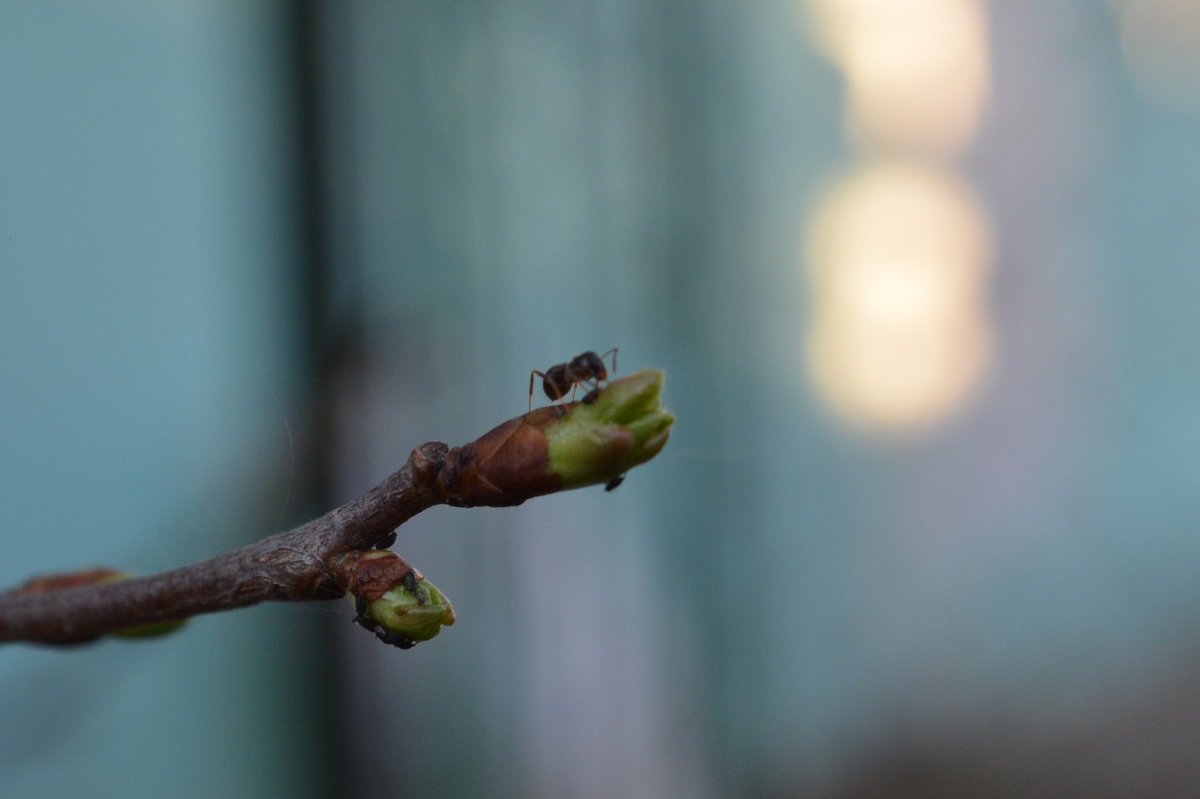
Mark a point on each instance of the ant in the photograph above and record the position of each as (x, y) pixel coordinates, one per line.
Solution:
(586, 367)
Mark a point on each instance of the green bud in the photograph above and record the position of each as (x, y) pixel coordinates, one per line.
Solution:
(624, 425)
(556, 447)
(407, 614)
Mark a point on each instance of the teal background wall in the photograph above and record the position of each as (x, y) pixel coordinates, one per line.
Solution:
(147, 334)
(252, 253)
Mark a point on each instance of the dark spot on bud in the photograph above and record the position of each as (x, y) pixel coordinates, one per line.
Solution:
(410, 583)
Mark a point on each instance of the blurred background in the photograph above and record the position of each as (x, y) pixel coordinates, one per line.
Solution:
(922, 276)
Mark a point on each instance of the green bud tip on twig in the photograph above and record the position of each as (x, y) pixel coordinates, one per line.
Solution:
(392, 599)
(564, 446)
(624, 426)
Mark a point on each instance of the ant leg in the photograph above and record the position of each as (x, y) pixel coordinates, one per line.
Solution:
(552, 390)
(593, 393)
(612, 352)
(532, 374)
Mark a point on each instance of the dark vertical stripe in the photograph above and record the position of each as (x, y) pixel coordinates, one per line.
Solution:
(319, 676)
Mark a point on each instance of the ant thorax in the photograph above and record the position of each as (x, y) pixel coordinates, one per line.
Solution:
(587, 366)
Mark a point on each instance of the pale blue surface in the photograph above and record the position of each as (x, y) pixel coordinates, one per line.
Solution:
(145, 300)
(775, 602)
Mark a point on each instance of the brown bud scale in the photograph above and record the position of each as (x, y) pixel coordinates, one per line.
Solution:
(60, 582)
(503, 467)
(371, 574)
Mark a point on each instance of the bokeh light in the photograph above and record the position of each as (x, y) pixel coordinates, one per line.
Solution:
(898, 257)
(917, 70)
(897, 252)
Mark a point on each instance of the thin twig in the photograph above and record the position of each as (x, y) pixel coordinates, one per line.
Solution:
(546, 450)
(290, 566)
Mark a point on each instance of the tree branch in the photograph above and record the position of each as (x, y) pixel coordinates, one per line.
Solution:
(289, 566)
(549, 449)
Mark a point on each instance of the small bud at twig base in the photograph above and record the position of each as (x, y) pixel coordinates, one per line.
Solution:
(391, 598)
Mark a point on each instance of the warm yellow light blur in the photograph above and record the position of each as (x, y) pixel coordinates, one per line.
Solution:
(917, 69)
(897, 263)
(1161, 43)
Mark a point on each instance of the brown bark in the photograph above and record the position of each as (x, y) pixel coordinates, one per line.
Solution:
(290, 566)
